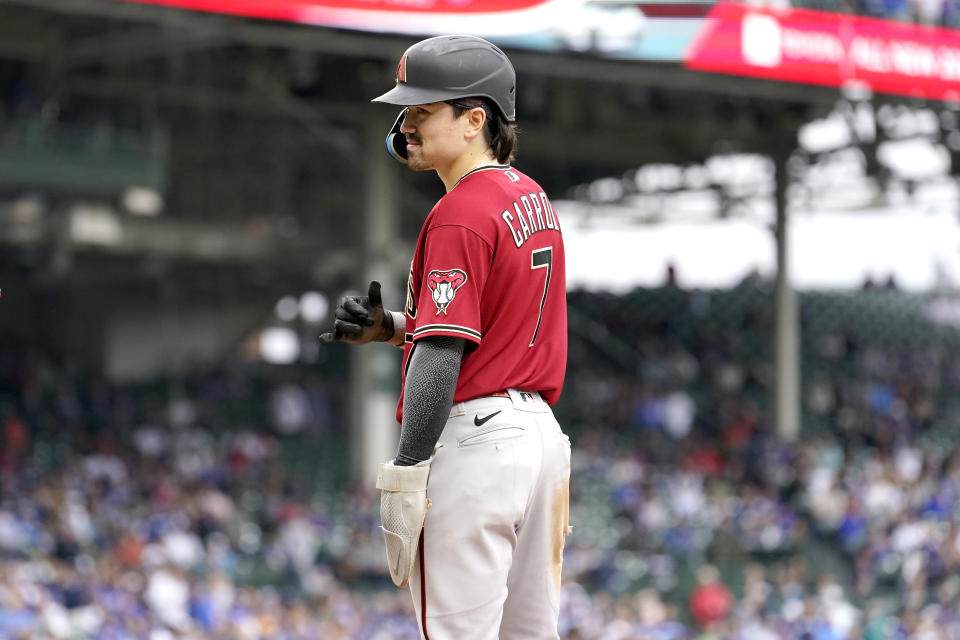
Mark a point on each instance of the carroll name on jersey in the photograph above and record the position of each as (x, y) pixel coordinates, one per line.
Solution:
(532, 214)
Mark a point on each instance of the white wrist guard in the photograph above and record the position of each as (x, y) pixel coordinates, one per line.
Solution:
(399, 337)
(403, 507)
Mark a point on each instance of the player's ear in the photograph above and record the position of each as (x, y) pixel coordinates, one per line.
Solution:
(476, 118)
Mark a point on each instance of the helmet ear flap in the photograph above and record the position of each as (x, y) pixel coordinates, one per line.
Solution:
(396, 141)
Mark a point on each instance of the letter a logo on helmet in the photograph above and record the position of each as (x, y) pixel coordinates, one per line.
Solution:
(444, 285)
(401, 74)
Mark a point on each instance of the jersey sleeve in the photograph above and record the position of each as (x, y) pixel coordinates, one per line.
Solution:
(455, 268)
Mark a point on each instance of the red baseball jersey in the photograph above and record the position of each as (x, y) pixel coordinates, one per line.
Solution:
(489, 268)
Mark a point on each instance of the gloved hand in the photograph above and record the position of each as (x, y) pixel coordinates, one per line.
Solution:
(361, 319)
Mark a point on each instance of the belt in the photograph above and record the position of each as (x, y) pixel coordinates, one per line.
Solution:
(506, 394)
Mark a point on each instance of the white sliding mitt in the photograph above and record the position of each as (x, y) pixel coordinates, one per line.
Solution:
(403, 507)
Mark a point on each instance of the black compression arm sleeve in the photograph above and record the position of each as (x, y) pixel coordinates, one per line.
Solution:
(428, 396)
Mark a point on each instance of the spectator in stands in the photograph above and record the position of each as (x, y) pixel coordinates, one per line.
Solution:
(710, 602)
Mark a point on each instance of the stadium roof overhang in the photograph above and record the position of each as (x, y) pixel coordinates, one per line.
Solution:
(183, 28)
(608, 115)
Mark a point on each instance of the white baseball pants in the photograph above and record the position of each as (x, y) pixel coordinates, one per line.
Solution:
(492, 546)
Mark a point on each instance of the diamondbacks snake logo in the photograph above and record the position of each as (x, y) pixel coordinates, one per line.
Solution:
(444, 285)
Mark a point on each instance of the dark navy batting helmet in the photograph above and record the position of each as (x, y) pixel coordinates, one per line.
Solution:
(454, 66)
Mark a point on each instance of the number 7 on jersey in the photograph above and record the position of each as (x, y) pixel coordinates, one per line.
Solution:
(541, 259)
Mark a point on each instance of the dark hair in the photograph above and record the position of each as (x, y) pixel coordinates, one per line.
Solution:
(501, 136)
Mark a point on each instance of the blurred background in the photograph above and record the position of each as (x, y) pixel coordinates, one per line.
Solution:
(760, 206)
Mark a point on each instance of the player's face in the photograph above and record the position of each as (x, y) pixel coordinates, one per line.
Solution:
(435, 138)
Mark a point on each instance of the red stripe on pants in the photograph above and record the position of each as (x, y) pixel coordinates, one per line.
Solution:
(423, 591)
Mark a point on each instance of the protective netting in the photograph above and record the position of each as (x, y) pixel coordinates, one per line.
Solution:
(717, 346)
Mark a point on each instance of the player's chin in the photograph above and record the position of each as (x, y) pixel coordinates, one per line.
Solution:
(417, 163)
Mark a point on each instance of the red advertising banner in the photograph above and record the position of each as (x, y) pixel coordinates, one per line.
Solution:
(294, 10)
(816, 47)
(485, 17)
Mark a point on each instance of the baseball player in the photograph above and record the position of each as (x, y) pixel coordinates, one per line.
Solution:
(474, 508)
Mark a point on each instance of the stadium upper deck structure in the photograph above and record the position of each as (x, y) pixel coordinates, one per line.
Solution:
(158, 157)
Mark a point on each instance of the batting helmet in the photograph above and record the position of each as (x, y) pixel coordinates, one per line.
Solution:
(455, 66)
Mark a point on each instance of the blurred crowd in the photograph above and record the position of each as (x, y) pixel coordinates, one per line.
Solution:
(130, 513)
(850, 532)
(212, 507)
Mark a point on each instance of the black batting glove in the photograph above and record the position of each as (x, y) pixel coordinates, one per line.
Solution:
(361, 319)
